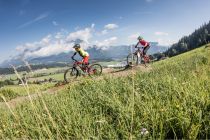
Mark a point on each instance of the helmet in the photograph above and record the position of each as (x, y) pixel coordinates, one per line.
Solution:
(76, 46)
(140, 38)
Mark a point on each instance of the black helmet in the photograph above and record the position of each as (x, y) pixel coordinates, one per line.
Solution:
(76, 46)
(140, 38)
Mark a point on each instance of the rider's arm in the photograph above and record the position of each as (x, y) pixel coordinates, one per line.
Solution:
(74, 55)
(136, 45)
(78, 62)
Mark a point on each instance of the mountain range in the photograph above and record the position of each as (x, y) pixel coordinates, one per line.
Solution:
(96, 54)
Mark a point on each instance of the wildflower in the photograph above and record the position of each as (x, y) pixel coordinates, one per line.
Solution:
(101, 121)
(162, 110)
(184, 83)
(144, 131)
(177, 106)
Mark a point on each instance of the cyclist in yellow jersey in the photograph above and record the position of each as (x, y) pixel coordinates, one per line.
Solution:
(82, 53)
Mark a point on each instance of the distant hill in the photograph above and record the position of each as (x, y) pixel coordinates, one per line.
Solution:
(198, 38)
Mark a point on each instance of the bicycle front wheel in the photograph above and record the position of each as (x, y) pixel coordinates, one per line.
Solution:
(70, 74)
(95, 70)
(132, 59)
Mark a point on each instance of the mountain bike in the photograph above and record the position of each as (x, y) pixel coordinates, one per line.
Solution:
(137, 58)
(79, 69)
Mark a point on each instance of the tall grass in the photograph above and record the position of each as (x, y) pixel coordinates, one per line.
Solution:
(14, 91)
(171, 101)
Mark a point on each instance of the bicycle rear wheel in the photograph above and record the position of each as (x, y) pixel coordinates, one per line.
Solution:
(70, 74)
(132, 59)
(95, 70)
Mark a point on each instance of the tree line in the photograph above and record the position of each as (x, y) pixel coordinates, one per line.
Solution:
(198, 38)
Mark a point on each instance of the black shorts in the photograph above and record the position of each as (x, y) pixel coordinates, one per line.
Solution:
(145, 50)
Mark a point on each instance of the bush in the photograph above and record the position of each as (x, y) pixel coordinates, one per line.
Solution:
(6, 82)
(207, 46)
(8, 94)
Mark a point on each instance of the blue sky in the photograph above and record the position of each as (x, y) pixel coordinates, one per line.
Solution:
(48, 27)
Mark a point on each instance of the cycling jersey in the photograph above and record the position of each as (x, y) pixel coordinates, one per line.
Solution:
(144, 43)
(82, 53)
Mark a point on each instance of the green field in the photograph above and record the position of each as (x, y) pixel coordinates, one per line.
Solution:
(9, 76)
(13, 91)
(58, 77)
(51, 73)
(171, 102)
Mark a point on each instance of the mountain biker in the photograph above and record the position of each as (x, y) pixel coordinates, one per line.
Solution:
(145, 45)
(82, 53)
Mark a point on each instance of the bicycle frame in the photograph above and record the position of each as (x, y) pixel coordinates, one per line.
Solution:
(75, 64)
(139, 52)
(139, 55)
(78, 68)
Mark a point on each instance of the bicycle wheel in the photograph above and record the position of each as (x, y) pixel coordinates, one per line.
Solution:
(95, 70)
(132, 59)
(70, 74)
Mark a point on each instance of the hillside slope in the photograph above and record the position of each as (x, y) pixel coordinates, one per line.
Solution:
(171, 101)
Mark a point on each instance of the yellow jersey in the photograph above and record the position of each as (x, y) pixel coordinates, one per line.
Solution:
(82, 53)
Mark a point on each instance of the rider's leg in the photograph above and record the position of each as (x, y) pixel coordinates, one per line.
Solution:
(146, 59)
(85, 62)
(145, 50)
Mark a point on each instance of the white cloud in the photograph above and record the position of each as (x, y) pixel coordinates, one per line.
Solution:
(52, 49)
(77, 28)
(46, 40)
(104, 32)
(107, 28)
(55, 23)
(133, 36)
(55, 44)
(59, 35)
(40, 17)
(106, 43)
(161, 33)
(28, 46)
(92, 25)
(165, 42)
(84, 35)
(63, 41)
(111, 26)
(45, 47)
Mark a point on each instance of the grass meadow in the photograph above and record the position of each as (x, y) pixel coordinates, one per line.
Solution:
(172, 101)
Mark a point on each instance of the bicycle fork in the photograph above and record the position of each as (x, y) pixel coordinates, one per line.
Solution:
(138, 56)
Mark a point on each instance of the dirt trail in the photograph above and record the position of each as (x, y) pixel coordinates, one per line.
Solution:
(108, 71)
